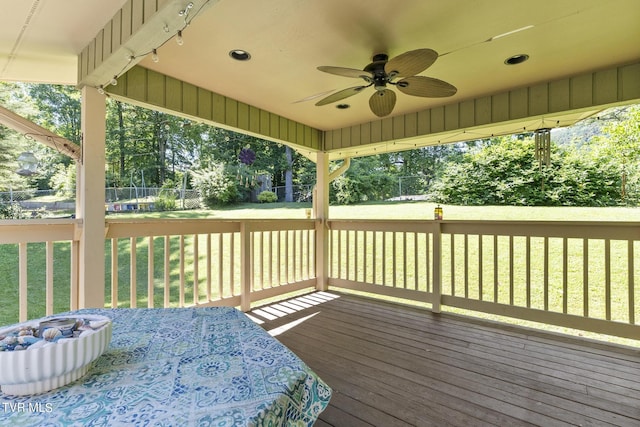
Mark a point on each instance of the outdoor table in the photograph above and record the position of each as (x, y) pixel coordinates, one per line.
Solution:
(181, 367)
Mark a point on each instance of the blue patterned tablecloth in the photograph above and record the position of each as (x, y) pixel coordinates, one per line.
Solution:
(181, 367)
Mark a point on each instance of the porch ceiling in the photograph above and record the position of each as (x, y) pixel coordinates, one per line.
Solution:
(40, 39)
(289, 39)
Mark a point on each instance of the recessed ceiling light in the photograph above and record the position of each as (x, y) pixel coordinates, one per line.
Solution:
(516, 59)
(240, 55)
(342, 106)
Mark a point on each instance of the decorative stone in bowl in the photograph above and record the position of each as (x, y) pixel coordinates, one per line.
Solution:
(41, 355)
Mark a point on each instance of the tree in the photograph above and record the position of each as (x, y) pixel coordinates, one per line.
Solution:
(507, 173)
(619, 148)
(12, 143)
(57, 108)
(367, 178)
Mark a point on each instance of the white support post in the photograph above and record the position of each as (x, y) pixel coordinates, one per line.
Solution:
(90, 200)
(245, 266)
(437, 268)
(321, 211)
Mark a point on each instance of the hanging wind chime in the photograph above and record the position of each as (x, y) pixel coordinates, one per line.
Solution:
(543, 149)
(246, 157)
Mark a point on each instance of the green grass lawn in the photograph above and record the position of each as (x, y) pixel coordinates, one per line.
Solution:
(387, 210)
(405, 210)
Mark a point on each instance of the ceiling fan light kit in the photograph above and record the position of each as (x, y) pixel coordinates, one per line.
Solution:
(383, 71)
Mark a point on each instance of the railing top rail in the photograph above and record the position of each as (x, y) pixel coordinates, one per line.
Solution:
(622, 230)
(39, 222)
(615, 230)
(138, 227)
(42, 230)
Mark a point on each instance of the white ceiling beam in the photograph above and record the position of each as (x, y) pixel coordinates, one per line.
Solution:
(40, 134)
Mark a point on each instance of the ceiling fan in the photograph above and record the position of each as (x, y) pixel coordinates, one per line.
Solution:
(384, 71)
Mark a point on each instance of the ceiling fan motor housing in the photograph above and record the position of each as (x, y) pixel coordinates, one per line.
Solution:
(380, 77)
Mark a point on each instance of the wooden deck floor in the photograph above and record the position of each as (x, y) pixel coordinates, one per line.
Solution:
(391, 365)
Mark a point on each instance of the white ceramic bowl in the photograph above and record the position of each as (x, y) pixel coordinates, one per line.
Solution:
(37, 370)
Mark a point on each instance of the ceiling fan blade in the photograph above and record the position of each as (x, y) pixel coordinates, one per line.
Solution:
(426, 86)
(346, 72)
(410, 63)
(382, 102)
(341, 94)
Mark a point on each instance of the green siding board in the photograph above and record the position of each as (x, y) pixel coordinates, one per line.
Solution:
(467, 114)
(582, 91)
(483, 110)
(630, 83)
(411, 124)
(274, 126)
(107, 40)
(155, 93)
(451, 117)
(137, 84)
(518, 103)
(356, 135)
(173, 89)
(398, 127)
(189, 99)
(82, 63)
(500, 107)
(437, 119)
(137, 16)
(365, 132)
(125, 27)
(243, 116)
(605, 86)
(376, 131)
(254, 119)
(336, 138)
(231, 111)
(345, 138)
(328, 141)
(99, 45)
(559, 99)
(205, 105)
(116, 31)
(424, 122)
(219, 106)
(292, 131)
(283, 129)
(265, 123)
(150, 7)
(387, 129)
(539, 99)
(299, 131)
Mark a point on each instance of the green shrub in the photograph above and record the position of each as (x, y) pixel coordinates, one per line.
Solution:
(267, 197)
(217, 188)
(15, 211)
(165, 202)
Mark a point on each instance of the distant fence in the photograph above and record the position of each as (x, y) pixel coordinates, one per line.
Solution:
(135, 198)
(19, 196)
(116, 199)
(146, 198)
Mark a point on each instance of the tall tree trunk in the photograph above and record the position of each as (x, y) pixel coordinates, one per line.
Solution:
(121, 140)
(288, 176)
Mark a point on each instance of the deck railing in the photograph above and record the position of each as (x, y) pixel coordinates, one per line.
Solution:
(579, 275)
(157, 263)
(32, 253)
(208, 262)
(575, 274)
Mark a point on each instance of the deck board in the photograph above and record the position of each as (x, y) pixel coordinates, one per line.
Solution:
(392, 365)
